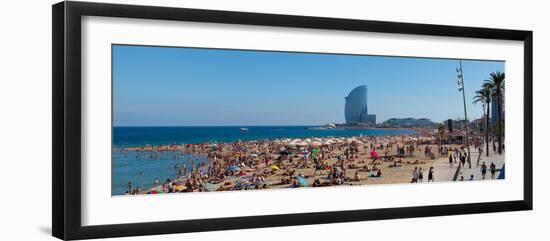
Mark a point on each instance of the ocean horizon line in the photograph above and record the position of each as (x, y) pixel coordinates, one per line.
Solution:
(297, 125)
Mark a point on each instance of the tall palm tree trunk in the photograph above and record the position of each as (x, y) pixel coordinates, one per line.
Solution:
(487, 131)
(499, 134)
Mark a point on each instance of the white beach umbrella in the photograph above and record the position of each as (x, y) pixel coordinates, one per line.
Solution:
(327, 142)
(316, 143)
(303, 143)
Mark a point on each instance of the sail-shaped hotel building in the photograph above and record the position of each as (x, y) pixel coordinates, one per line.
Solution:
(356, 110)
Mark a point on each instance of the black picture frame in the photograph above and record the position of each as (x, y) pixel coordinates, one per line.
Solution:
(66, 127)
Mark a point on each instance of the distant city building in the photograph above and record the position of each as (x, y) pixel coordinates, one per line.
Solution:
(478, 124)
(408, 122)
(460, 124)
(356, 110)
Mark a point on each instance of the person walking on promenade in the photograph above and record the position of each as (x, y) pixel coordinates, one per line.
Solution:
(415, 175)
(420, 175)
(431, 174)
(456, 154)
(483, 171)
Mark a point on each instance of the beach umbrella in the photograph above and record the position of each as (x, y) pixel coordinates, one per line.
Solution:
(233, 168)
(180, 188)
(374, 154)
(275, 167)
(302, 181)
(316, 143)
(314, 152)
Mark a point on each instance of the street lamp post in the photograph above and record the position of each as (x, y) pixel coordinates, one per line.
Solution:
(460, 76)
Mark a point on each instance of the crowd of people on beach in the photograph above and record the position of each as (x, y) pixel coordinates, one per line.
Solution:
(264, 164)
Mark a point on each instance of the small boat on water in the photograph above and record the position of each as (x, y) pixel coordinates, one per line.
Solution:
(244, 129)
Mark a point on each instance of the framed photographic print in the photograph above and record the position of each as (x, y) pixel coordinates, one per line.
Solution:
(170, 120)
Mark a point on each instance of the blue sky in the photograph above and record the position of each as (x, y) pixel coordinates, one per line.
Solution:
(162, 86)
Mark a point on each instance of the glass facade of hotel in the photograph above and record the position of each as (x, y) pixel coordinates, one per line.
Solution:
(356, 110)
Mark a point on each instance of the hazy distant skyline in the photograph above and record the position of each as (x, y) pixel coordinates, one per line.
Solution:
(164, 86)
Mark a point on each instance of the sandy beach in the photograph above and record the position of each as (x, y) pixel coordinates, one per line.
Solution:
(306, 162)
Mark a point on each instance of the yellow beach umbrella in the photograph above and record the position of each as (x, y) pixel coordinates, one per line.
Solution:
(180, 188)
(275, 167)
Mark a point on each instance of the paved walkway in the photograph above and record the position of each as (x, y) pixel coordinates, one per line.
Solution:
(444, 172)
(476, 171)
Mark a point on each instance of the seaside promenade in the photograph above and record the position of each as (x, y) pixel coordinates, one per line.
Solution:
(476, 171)
(444, 171)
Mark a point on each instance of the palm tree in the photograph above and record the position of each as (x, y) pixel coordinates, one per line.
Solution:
(484, 96)
(496, 84)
